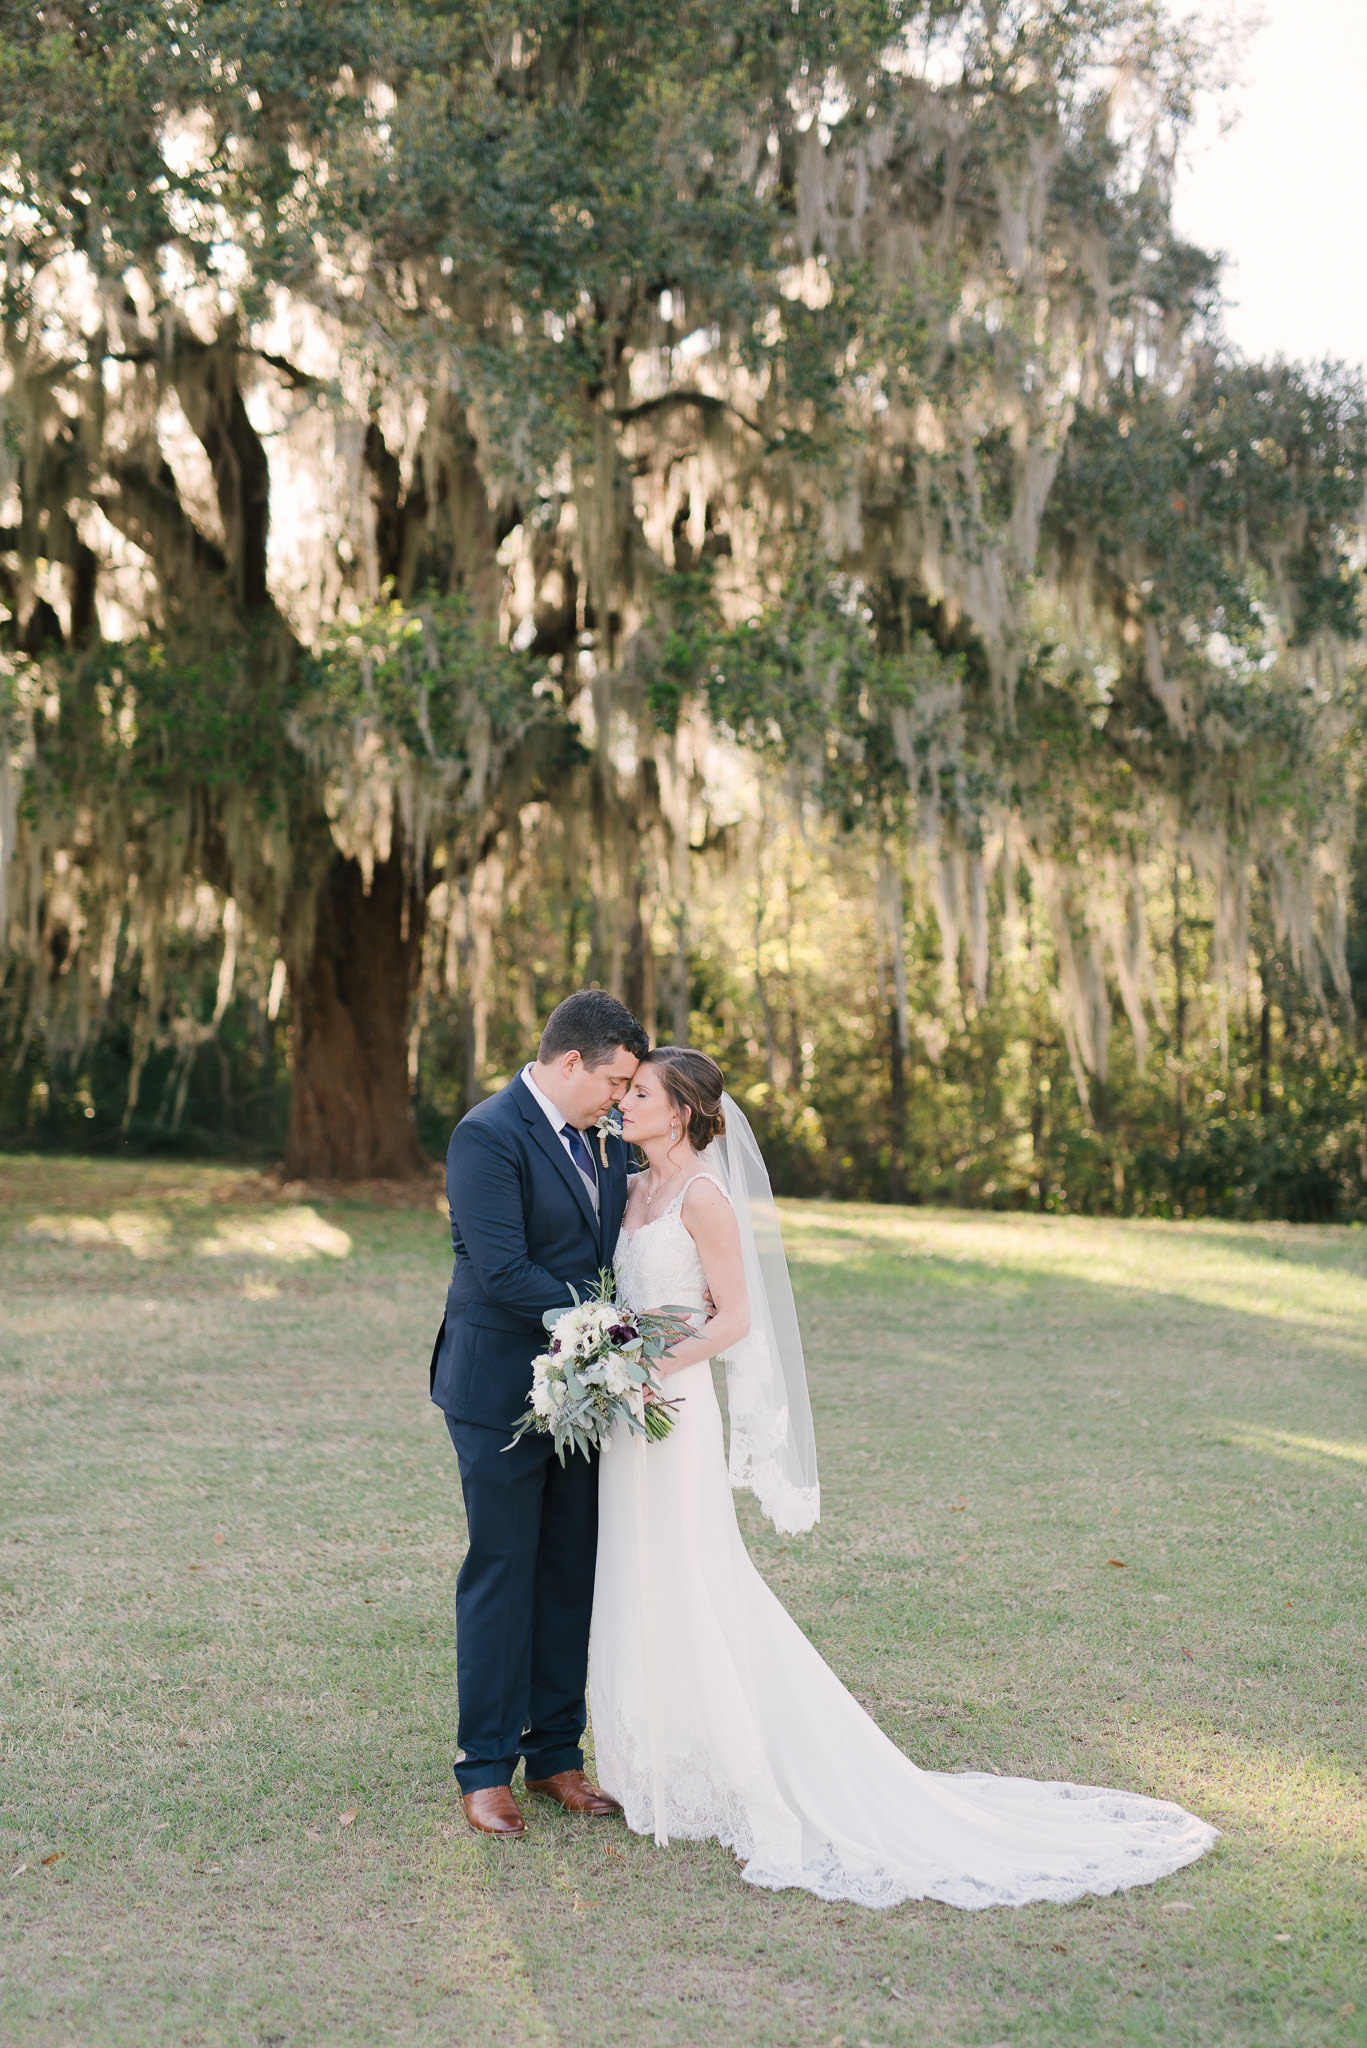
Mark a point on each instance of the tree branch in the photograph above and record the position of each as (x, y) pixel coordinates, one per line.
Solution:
(702, 401)
(141, 358)
(206, 384)
(147, 510)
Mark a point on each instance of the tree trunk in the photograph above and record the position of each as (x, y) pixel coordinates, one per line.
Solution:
(897, 1107)
(350, 1111)
(1037, 1076)
(1179, 1008)
(894, 979)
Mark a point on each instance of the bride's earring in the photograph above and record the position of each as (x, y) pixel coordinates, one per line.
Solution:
(674, 1131)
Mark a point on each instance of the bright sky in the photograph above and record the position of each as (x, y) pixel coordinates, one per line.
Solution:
(1284, 194)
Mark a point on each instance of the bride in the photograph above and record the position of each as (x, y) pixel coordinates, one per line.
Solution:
(712, 1713)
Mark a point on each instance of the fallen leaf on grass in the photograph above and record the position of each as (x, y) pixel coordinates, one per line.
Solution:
(20, 1871)
(957, 1507)
(1118, 1561)
(194, 1567)
(585, 1905)
(1283, 1938)
(608, 1850)
(55, 1857)
(312, 1835)
(1188, 1654)
(1177, 1906)
(1058, 1948)
(219, 1536)
(344, 1820)
(1347, 2009)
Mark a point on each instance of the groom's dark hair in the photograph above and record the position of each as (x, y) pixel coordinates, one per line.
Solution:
(593, 1024)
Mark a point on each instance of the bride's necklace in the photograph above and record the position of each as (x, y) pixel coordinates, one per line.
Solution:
(651, 1193)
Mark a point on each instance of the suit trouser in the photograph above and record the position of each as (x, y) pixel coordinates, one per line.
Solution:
(524, 1598)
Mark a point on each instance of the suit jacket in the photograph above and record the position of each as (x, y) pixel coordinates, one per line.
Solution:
(522, 1229)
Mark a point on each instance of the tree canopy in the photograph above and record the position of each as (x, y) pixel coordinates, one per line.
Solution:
(476, 479)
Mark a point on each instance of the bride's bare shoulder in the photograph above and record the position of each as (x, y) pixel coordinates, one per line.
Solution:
(706, 1206)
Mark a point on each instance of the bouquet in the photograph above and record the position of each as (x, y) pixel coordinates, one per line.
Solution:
(598, 1367)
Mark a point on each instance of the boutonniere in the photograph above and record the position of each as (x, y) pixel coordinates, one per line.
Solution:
(609, 1125)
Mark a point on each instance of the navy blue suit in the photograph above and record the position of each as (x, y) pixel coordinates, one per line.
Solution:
(522, 1229)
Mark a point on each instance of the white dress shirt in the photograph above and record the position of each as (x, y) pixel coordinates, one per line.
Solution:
(557, 1121)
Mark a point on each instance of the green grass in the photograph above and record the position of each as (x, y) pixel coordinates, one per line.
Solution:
(230, 1537)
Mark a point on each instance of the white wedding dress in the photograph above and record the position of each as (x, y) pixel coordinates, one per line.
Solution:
(713, 1716)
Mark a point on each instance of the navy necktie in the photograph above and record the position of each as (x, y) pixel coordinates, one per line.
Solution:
(579, 1149)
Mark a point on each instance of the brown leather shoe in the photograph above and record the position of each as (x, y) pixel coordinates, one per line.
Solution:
(572, 1790)
(492, 1810)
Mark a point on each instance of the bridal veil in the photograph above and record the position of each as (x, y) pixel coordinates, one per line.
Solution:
(772, 1445)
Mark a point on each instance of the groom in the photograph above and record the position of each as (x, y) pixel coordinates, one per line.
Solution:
(533, 1209)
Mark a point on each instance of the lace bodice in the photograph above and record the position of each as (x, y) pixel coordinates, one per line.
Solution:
(657, 1266)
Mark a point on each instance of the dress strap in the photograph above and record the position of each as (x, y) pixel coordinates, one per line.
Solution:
(715, 1179)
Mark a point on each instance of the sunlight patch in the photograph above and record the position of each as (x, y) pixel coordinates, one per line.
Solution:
(82, 1231)
(1288, 1796)
(1247, 1275)
(145, 1236)
(850, 1253)
(288, 1234)
(1280, 1443)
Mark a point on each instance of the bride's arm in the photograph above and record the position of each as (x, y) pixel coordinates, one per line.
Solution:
(710, 1221)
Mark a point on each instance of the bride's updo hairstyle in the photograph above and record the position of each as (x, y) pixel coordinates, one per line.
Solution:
(693, 1082)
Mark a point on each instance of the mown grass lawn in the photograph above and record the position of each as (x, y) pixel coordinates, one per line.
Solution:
(1095, 1502)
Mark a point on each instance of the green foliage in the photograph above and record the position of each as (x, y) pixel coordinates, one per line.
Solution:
(976, 642)
(148, 721)
(219, 1091)
(83, 96)
(1238, 500)
(436, 683)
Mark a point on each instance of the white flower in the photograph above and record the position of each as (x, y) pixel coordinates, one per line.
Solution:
(585, 1321)
(543, 1399)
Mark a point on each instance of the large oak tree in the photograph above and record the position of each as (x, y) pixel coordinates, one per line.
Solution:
(412, 412)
